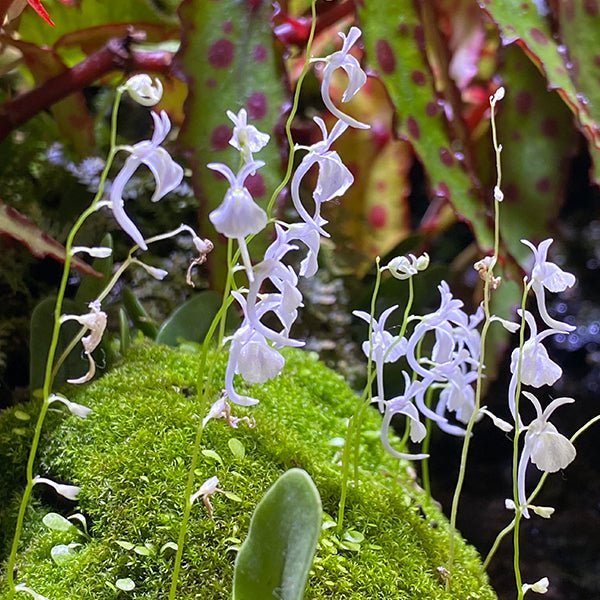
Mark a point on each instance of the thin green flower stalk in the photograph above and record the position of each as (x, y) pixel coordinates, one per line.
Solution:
(49, 371)
(533, 495)
(515, 458)
(425, 447)
(490, 282)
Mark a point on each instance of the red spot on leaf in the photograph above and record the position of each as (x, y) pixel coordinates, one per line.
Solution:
(385, 56)
(227, 26)
(219, 137)
(377, 216)
(542, 185)
(256, 185)
(523, 102)
(549, 127)
(380, 185)
(220, 53)
(419, 35)
(403, 29)
(590, 7)
(413, 127)
(569, 9)
(431, 109)
(446, 157)
(259, 53)
(597, 60)
(538, 35)
(210, 82)
(257, 105)
(418, 77)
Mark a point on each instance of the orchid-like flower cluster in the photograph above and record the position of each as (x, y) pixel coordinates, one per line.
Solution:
(254, 347)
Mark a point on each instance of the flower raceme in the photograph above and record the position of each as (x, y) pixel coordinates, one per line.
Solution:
(167, 174)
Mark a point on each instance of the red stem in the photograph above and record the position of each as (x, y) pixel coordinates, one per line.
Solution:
(114, 55)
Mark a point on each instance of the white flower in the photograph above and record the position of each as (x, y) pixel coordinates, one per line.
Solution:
(356, 76)
(66, 491)
(537, 369)
(238, 215)
(167, 174)
(94, 252)
(546, 274)
(222, 410)
(207, 489)
(544, 446)
(540, 586)
(21, 587)
(333, 180)
(404, 267)
(76, 409)
(95, 321)
(383, 347)
(143, 90)
(246, 138)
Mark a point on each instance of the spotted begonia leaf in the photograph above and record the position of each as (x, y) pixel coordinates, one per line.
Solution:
(38, 242)
(539, 140)
(373, 215)
(395, 48)
(521, 22)
(229, 61)
(71, 114)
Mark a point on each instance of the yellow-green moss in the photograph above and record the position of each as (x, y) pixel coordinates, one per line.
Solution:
(130, 457)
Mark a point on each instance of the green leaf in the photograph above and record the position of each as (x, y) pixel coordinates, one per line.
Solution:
(230, 61)
(126, 545)
(213, 455)
(57, 522)
(191, 320)
(69, 18)
(521, 22)
(395, 47)
(275, 559)
(124, 335)
(137, 313)
(535, 129)
(62, 554)
(237, 448)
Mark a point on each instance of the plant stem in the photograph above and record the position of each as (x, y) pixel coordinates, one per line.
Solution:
(49, 373)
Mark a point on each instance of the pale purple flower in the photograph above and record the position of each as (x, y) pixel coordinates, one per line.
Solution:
(246, 138)
(404, 267)
(333, 180)
(544, 446)
(206, 490)
(356, 76)
(383, 348)
(143, 90)
(95, 321)
(549, 276)
(76, 409)
(167, 174)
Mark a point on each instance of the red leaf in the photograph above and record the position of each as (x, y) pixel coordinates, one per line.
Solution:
(39, 243)
(40, 10)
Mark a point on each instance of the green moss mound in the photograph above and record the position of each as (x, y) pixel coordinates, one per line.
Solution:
(130, 457)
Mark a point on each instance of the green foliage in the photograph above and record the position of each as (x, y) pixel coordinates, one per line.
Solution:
(131, 454)
(275, 558)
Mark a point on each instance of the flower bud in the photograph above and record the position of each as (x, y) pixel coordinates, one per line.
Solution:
(143, 90)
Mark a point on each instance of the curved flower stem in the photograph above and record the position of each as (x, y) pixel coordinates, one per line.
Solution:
(204, 390)
(487, 287)
(515, 459)
(533, 495)
(294, 110)
(49, 372)
(425, 447)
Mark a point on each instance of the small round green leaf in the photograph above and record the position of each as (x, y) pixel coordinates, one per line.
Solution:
(127, 584)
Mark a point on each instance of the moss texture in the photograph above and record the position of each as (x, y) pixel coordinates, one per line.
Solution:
(130, 457)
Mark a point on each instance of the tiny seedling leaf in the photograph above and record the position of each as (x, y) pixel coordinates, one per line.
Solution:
(237, 448)
(127, 584)
(62, 554)
(57, 522)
